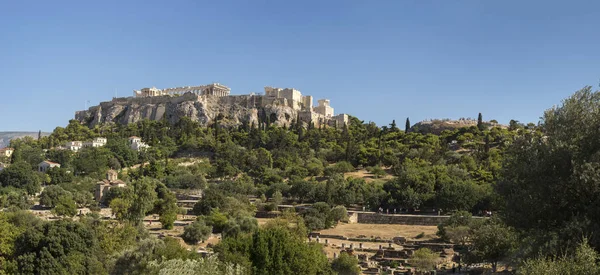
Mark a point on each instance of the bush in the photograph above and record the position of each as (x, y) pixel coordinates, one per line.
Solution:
(420, 235)
(196, 232)
(345, 265)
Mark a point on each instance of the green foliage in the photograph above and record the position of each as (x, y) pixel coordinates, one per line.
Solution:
(196, 232)
(276, 250)
(59, 175)
(491, 242)
(51, 195)
(345, 265)
(57, 248)
(11, 197)
(424, 260)
(19, 175)
(550, 179)
(93, 161)
(203, 266)
(65, 206)
(457, 219)
(240, 225)
(583, 261)
(165, 206)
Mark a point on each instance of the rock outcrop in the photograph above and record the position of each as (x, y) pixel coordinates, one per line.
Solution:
(234, 110)
(436, 126)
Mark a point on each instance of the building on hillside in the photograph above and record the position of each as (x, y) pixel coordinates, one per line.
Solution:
(293, 97)
(213, 89)
(45, 165)
(324, 108)
(103, 186)
(97, 142)
(6, 152)
(136, 144)
(74, 146)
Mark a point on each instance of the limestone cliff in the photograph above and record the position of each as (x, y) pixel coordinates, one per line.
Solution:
(235, 110)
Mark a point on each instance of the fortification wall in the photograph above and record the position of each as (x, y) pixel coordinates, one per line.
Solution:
(248, 101)
(151, 100)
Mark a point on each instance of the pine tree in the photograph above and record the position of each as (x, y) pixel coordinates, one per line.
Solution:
(407, 126)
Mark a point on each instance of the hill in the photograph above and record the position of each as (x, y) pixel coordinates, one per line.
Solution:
(436, 126)
(6, 137)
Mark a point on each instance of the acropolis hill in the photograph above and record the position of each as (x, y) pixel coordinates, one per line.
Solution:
(204, 103)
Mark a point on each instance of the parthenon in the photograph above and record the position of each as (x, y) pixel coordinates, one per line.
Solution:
(214, 89)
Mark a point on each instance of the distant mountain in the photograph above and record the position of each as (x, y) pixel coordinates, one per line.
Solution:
(6, 137)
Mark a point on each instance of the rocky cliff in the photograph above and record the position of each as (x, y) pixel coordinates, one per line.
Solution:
(235, 110)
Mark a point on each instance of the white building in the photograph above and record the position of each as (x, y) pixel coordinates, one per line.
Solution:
(97, 142)
(45, 165)
(136, 143)
(74, 146)
(6, 152)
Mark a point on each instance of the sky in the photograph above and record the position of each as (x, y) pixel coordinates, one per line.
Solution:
(377, 60)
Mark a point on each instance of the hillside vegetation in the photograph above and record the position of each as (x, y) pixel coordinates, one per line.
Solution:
(540, 181)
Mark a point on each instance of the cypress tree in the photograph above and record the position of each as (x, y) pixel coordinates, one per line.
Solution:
(407, 126)
(480, 122)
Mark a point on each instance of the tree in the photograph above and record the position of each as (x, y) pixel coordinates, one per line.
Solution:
(19, 175)
(345, 265)
(492, 242)
(457, 219)
(424, 260)
(120, 208)
(196, 232)
(277, 198)
(583, 261)
(166, 206)
(480, 125)
(143, 199)
(550, 180)
(240, 225)
(407, 125)
(58, 247)
(65, 206)
(275, 250)
(51, 195)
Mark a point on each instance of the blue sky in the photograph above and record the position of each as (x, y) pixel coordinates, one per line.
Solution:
(377, 60)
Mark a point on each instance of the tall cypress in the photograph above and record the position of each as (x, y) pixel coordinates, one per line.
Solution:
(480, 122)
(407, 126)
